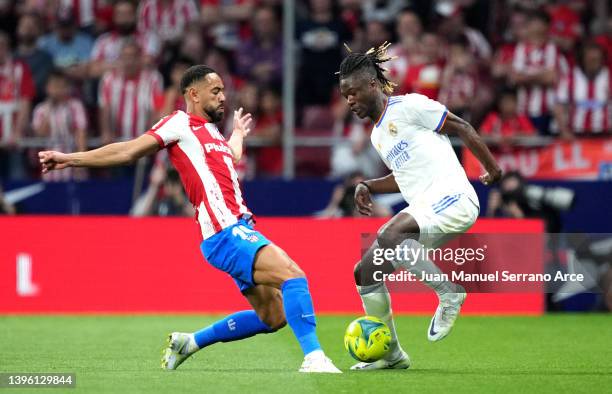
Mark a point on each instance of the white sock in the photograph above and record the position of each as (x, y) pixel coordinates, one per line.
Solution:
(423, 264)
(192, 346)
(377, 302)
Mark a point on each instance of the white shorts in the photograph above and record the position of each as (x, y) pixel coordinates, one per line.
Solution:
(441, 218)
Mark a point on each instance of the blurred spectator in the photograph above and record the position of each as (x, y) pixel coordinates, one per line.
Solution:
(60, 119)
(354, 153)
(167, 19)
(39, 60)
(501, 65)
(504, 124)
(537, 66)
(565, 28)
(424, 72)
(381, 11)
(604, 38)
(342, 202)
(8, 21)
(452, 27)
(377, 33)
(69, 47)
(226, 20)
(164, 196)
(247, 98)
(192, 45)
(459, 83)
(320, 37)
(517, 199)
(86, 12)
(408, 28)
(268, 129)
(127, 96)
(584, 97)
(16, 93)
(107, 47)
(260, 59)
(6, 208)
(219, 60)
(173, 97)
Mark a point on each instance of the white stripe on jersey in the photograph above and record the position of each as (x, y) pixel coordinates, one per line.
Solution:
(191, 146)
(206, 226)
(237, 194)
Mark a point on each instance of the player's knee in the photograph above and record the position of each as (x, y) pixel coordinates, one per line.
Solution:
(357, 273)
(386, 237)
(292, 270)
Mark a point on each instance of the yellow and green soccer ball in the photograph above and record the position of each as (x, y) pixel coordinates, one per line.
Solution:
(367, 339)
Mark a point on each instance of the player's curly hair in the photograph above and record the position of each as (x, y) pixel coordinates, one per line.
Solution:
(369, 62)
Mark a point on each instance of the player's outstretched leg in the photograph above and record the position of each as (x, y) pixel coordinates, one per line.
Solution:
(377, 302)
(274, 268)
(237, 326)
(401, 230)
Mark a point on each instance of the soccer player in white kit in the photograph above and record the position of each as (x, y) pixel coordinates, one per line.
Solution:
(410, 134)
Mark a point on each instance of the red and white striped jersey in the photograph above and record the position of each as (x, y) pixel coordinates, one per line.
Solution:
(64, 119)
(131, 101)
(16, 83)
(537, 100)
(166, 19)
(589, 100)
(204, 161)
(108, 46)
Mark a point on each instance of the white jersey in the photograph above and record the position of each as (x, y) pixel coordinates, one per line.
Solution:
(407, 138)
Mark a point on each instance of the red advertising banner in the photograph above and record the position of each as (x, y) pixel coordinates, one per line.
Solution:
(148, 265)
(586, 159)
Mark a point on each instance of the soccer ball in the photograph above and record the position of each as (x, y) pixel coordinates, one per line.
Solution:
(367, 339)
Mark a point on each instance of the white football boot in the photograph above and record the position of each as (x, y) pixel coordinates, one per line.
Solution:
(318, 362)
(402, 362)
(180, 347)
(446, 314)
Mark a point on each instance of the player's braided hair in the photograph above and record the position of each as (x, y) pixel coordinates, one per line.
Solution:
(370, 62)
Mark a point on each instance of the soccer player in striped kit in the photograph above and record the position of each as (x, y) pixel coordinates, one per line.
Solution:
(272, 283)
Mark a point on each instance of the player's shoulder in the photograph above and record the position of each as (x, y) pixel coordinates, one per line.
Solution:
(416, 98)
(178, 120)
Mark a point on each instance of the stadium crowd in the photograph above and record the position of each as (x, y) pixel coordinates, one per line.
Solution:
(79, 73)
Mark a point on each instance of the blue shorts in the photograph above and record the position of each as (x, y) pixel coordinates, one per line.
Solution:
(233, 250)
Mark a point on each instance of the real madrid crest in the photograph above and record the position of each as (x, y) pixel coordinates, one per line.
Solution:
(392, 129)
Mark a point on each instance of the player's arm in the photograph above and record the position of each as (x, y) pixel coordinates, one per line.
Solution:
(111, 155)
(242, 128)
(365, 189)
(469, 136)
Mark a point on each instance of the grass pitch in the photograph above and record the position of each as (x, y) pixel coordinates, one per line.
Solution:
(121, 354)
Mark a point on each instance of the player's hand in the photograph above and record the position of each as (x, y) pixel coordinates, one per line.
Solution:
(51, 160)
(242, 123)
(363, 200)
(489, 178)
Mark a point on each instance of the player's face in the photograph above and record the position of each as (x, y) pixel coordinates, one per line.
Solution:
(211, 96)
(359, 92)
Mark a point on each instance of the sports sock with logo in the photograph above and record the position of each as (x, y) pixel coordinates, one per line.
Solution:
(299, 313)
(234, 327)
(377, 302)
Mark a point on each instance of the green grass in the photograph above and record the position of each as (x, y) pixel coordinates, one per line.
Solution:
(554, 353)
